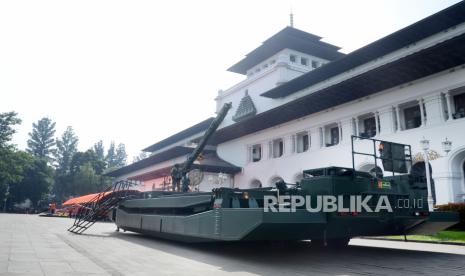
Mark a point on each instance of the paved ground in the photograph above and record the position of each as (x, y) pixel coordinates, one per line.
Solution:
(32, 245)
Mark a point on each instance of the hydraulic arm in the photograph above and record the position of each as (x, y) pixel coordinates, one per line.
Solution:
(179, 171)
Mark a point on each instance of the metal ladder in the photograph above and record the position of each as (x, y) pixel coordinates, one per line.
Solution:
(99, 206)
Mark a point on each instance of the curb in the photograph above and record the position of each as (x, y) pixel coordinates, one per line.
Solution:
(395, 240)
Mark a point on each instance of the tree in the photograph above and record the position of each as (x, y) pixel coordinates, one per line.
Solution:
(36, 182)
(7, 121)
(86, 180)
(24, 177)
(10, 162)
(66, 148)
(81, 158)
(41, 143)
(12, 167)
(110, 158)
(121, 155)
(63, 185)
(84, 176)
(99, 150)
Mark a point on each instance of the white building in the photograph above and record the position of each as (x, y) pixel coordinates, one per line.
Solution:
(301, 100)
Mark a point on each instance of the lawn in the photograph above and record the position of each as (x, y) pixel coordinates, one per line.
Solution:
(443, 236)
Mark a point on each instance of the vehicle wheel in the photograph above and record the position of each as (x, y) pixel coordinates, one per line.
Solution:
(331, 243)
(338, 243)
(317, 243)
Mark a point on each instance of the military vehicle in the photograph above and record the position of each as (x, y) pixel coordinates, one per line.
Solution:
(274, 213)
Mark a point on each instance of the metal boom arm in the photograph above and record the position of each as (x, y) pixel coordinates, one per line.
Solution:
(180, 171)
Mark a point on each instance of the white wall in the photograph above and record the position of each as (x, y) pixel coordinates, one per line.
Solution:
(291, 164)
(281, 71)
(429, 91)
(213, 180)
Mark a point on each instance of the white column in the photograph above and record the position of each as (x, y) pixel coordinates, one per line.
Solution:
(347, 129)
(428, 182)
(449, 106)
(434, 109)
(288, 148)
(443, 183)
(399, 126)
(422, 111)
(386, 120)
(316, 138)
(339, 125)
(281, 65)
(323, 137)
(357, 132)
(376, 122)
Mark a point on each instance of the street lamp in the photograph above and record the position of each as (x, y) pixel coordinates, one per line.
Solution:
(425, 147)
(446, 146)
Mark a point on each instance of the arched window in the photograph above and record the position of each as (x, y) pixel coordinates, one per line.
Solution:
(298, 177)
(419, 172)
(275, 179)
(255, 184)
(370, 168)
(376, 171)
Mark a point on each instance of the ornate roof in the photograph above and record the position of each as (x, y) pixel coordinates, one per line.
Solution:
(288, 38)
(246, 109)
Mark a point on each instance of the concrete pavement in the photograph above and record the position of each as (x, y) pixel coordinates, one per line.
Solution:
(32, 245)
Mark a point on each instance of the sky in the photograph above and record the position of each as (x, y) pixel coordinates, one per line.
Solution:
(135, 72)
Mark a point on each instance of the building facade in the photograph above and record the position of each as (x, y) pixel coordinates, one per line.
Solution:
(302, 100)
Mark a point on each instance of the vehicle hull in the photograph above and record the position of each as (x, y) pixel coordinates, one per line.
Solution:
(253, 224)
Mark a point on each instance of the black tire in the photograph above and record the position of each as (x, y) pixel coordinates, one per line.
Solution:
(331, 243)
(338, 243)
(318, 243)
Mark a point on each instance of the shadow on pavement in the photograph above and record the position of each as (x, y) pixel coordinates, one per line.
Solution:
(301, 258)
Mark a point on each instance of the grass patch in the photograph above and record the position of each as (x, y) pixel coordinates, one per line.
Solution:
(443, 236)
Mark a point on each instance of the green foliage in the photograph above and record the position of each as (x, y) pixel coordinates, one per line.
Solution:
(84, 176)
(36, 181)
(83, 180)
(110, 158)
(66, 148)
(86, 180)
(442, 236)
(25, 176)
(99, 150)
(10, 161)
(455, 207)
(116, 157)
(81, 158)
(12, 167)
(63, 185)
(7, 121)
(121, 155)
(42, 142)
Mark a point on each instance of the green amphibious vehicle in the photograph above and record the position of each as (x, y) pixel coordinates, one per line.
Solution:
(239, 214)
(329, 206)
